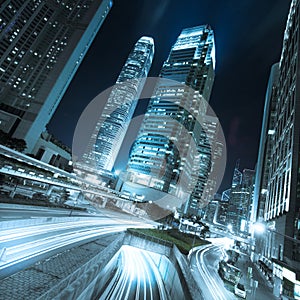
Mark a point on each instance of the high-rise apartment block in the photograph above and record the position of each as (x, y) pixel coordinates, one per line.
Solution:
(42, 45)
(163, 156)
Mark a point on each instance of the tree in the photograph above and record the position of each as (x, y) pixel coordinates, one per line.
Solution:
(19, 145)
(13, 143)
(64, 196)
(204, 231)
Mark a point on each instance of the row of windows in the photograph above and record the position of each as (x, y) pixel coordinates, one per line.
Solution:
(279, 179)
(279, 193)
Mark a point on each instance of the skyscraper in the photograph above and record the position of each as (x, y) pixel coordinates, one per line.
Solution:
(281, 203)
(240, 201)
(237, 175)
(42, 45)
(163, 156)
(122, 102)
(211, 151)
(111, 127)
(265, 147)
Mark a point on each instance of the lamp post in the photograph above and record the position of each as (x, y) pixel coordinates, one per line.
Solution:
(262, 228)
(278, 270)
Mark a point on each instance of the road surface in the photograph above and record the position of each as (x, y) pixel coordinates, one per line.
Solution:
(38, 238)
(204, 264)
(136, 277)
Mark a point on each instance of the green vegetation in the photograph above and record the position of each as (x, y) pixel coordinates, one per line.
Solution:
(183, 241)
(13, 143)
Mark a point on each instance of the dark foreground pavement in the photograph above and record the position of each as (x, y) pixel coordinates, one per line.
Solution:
(42, 276)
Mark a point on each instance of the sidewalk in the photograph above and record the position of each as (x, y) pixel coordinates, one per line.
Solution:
(42, 276)
(264, 288)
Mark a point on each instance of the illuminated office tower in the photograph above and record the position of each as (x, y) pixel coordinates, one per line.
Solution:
(113, 123)
(265, 147)
(160, 156)
(210, 152)
(42, 44)
(240, 201)
(237, 175)
(282, 192)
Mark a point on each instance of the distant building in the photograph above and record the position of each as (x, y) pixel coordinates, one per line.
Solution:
(210, 213)
(207, 178)
(161, 157)
(281, 204)
(240, 201)
(42, 45)
(216, 211)
(226, 195)
(237, 175)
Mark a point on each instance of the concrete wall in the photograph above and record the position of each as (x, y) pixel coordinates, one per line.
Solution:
(82, 284)
(174, 268)
(87, 281)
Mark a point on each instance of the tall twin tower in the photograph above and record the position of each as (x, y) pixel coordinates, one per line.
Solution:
(172, 153)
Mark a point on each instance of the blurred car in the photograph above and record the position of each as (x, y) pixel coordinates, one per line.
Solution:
(240, 290)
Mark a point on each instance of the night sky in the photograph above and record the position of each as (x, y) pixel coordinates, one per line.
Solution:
(248, 35)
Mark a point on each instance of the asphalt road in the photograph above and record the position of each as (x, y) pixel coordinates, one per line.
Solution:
(136, 277)
(204, 264)
(41, 233)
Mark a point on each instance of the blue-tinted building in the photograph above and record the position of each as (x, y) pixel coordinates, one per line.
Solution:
(111, 127)
(42, 44)
(172, 150)
(277, 194)
(122, 102)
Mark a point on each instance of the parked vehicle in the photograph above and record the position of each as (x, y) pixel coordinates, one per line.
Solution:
(229, 272)
(240, 290)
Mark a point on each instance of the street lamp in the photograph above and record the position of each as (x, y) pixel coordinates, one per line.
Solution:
(259, 228)
(262, 228)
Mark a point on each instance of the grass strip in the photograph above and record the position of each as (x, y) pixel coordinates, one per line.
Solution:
(183, 241)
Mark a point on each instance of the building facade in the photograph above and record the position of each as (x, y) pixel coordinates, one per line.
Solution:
(112, 124)
(42, 45)
(120, 106)
(172, 150)
(216, 211)
(240, 201)
(265, 147)
(281, 202)
(210, 152)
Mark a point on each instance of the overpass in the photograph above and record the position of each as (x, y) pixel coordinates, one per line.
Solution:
(13, 163)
